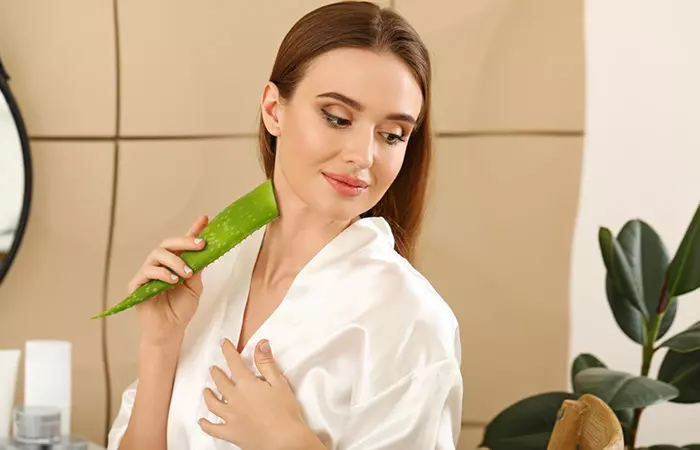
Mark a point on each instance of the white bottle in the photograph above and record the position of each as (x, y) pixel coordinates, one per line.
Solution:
(47, 377)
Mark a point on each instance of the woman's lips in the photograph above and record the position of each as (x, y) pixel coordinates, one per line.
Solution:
(346, 185)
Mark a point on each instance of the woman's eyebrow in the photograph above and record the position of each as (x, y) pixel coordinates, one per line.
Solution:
(354, 104)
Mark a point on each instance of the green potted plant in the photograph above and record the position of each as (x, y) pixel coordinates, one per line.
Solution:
(643, 286)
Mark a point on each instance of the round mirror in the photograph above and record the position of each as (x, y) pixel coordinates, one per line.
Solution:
(15, 175)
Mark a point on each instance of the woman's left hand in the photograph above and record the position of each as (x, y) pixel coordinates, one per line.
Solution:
(258, 413)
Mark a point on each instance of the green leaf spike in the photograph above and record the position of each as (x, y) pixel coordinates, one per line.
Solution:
(229, 228)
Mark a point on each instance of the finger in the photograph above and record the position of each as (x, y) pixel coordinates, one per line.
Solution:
(214, 404)
(216, 430)
(149, 273)
(197, 226)
(223, 383)
(152, 273)
(267, 365)
(161, 256)
(239, 372)
(195, 283)
(182, 243)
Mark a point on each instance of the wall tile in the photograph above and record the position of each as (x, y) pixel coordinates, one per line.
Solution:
(203, 72)
(504, 64)
(163, 186)
(470, 438)
(496, 246)
(61, 57)
(55, 284)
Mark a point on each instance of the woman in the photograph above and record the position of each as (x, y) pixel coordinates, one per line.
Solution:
(366, 353)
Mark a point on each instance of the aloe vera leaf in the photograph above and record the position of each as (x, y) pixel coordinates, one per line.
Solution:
(229, 228)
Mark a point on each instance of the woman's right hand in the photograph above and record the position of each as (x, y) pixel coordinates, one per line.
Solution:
(164, 317)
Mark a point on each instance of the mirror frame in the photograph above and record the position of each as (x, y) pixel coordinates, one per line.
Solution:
(28, 175)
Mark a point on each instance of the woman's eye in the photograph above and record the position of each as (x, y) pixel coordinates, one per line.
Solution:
(392, 139)
(335, 120)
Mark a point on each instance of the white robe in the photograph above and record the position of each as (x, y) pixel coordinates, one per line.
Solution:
(371, 350)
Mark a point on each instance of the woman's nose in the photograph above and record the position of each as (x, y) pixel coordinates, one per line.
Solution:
(360, 151)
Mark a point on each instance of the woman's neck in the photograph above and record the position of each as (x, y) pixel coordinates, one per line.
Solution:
(292, 240)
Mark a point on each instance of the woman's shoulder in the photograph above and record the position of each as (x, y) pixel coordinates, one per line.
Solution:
(411, 331)
(393, 277)
(414, 312)
(396, 279)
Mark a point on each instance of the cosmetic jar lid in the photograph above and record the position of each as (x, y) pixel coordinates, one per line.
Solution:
(6, 445)
(71, 443)
(36, 424)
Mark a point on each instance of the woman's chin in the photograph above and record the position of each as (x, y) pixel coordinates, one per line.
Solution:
(339, 213)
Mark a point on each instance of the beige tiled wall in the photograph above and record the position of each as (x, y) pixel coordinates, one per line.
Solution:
(56, 282)
(496, 246)
(128, 102)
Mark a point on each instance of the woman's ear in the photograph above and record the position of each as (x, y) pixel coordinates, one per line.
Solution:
(270, 107)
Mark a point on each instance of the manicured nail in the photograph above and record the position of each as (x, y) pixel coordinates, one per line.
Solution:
(173, 277)
(197, 241)
(188, 270)
(265, 347)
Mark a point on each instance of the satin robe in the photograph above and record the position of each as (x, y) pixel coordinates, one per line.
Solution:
(371, 350)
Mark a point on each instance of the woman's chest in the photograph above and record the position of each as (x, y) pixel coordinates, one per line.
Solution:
(323, 374)
(262, 302)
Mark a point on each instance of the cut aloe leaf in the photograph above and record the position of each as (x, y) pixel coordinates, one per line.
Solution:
(228, 229)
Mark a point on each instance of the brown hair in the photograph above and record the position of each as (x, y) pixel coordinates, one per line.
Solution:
(367, 26)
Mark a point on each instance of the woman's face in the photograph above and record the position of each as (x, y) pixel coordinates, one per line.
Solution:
(341, 138)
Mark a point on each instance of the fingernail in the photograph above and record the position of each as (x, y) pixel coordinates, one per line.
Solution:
(173, 277)
(188, 270)
(265, 347)
(223, 341)
(197, 241)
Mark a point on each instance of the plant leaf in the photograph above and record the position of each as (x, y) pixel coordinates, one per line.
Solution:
(685, 341)
(605, 241)
(619, 268)
(637, 262)
(526, 424)
(671, 447)
(684, 270)
(682, 370)
(584, 361)
(648, 260)
(622, 390)
(625, 416)
(667, 319)
(661, 447)
(628, 318)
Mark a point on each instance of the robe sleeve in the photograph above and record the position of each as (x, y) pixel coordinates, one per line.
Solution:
(122, 420)
(422, 411)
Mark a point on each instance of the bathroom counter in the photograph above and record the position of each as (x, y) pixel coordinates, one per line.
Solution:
(91, 445)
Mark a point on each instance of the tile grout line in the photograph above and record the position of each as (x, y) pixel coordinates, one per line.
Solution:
(140, 138)
(439, 135)
(473, 424)
(510, 133)
(113, 207)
